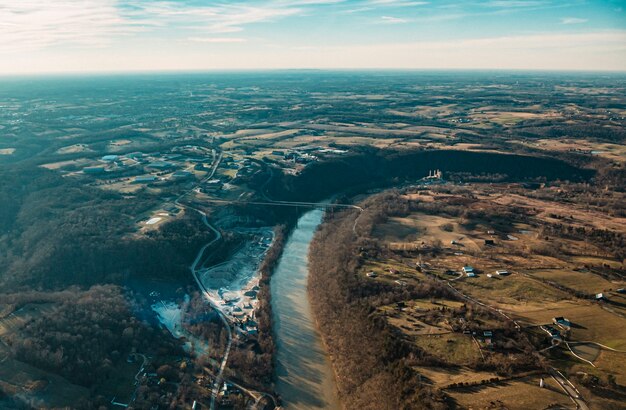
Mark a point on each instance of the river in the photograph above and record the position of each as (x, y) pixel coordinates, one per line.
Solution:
(305, 379)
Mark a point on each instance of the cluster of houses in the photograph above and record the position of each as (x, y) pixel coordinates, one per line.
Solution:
(470, 272)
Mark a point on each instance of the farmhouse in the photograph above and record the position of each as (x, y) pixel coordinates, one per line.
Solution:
(502, 272)
(145, 179)
(469, 271)
(109, 158)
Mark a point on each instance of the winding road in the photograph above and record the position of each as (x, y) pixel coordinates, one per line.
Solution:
(256, 395)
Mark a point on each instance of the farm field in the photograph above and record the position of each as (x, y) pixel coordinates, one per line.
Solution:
(515, 395)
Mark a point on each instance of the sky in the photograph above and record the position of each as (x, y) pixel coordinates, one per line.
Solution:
(61, 36)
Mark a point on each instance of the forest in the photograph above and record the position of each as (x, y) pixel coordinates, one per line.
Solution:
(85, 334)
(369, 168)
(55, 232)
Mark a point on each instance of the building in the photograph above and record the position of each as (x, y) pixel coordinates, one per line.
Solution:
(502, 272)
(110, 158)
(468, 270)
(561, 321)
(600, 296)
(144, 179)
(135, 155)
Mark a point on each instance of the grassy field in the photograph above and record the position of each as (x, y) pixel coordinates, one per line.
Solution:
(454, 348)
(582, 281)
(590, 322)
(38, 386)
(514, 289)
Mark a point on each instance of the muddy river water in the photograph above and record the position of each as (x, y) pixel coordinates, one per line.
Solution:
(305, 378)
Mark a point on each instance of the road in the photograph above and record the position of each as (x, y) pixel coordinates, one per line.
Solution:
(205, 293)
(569, 389)
(257, 396)
(471, 299)
(194, 272)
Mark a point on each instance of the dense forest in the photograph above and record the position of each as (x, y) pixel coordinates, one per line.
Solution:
(84, 335)
(55, 232)
(373, 168)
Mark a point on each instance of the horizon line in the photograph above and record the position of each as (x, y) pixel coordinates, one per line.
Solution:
(313, 69)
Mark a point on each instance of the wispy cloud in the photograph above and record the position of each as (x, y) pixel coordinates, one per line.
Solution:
(393, 20)
(34, 24)
(397, 3)
(217, 39)
(30, 24)
(573, 20)
(515, 3)
(221, 18)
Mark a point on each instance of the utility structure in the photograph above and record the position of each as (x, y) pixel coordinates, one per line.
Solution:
(434, 174)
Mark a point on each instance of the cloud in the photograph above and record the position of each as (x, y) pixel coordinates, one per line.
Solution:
(397, 3)
(393, 20)
(220, 18)
(515, 3)
(31, 24)
(217, 39)
(573, 20)
(36, 24)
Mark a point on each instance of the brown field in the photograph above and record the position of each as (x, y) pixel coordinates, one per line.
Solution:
(427, 111)
(593, 260)
(17, 319)
(420, 228)
(610, 151)
(582, 217)
(522, 394)
(272, 135)
(442, 376)
(62, 164)
(72, 149)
